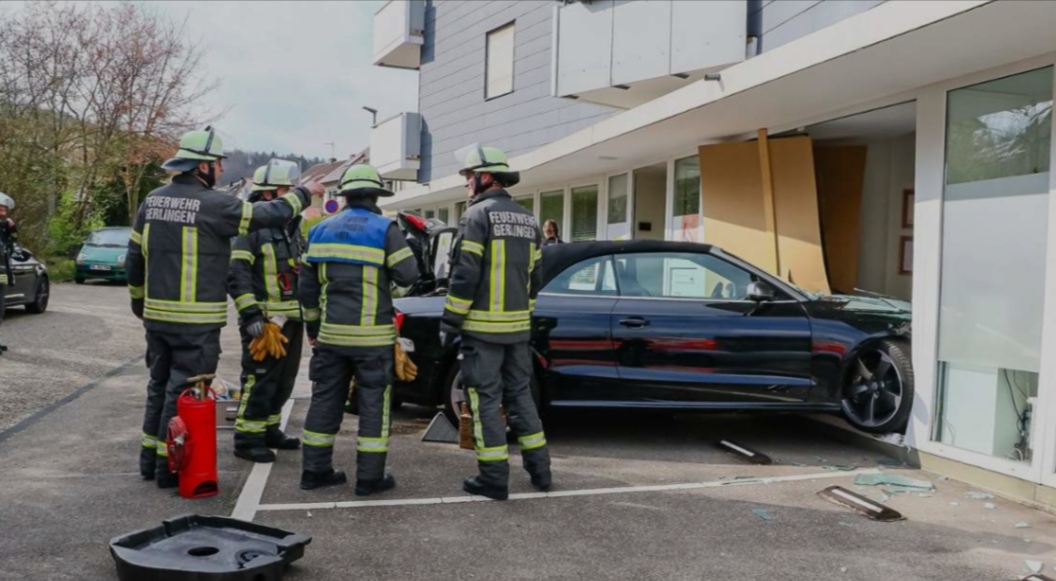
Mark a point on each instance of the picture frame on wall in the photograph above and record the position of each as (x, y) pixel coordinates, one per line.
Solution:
(905, 255)
(907, 207)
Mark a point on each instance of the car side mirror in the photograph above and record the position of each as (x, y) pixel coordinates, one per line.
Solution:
(760, 292)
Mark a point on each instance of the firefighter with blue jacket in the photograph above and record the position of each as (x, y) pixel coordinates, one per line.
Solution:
(352, 260)
(263, 284)
(178, 257)
(496, 273)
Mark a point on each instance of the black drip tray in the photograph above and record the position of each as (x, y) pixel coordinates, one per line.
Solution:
(206, 548)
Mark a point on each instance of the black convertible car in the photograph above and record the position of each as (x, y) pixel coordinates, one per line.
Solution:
(682, 326)
(31, 287)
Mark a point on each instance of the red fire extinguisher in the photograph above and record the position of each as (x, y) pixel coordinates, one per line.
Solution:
(192, 440)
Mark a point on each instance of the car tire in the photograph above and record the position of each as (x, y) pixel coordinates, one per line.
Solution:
(41, 299)
(78, 280)
(452, 393)
(879, 405)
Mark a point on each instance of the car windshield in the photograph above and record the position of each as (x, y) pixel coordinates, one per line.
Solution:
(114, 237)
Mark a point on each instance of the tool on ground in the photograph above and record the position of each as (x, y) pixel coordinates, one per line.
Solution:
(196, 548)
(270, 343)
(744, 452)
(861, 504)
(192, 439)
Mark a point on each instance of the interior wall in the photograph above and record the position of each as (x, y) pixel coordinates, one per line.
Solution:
(650, 187)
(840, 174)
(889, 170)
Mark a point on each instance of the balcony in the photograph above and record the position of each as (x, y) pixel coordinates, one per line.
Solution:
(395, 146)
(399, 33)
(623, 53)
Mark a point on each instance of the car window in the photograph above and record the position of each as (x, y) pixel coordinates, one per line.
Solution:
(117, 237)
(593, 276)
(681, 275)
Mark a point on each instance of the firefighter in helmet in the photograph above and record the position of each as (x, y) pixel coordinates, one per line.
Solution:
(495, 276)
(263, 284)
(352, 259)
(8, 232)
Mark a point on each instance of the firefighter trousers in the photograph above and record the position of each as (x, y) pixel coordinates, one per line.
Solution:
(494, 374)
(266, 385)
(173, 359)
(332, 370)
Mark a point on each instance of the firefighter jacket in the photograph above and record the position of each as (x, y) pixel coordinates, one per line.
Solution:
(352, 259)
(496, 270)
(7, 250)
(264, 268)
(180, 251)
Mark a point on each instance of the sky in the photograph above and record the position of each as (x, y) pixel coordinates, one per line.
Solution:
(294, 76)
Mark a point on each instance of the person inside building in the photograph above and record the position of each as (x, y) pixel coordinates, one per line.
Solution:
(495, 276)
(263, 284)
(178, 258)
(551, 233)
(8, 231)
(345, 289)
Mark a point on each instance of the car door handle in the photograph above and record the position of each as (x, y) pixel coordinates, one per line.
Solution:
(634, 322)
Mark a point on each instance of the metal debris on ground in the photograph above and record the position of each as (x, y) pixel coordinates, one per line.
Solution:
(1022, 525)
(955, 503)
(1038, 577)
(762, 513)
(744, 452)
(861, 504)
(1034, 567)
(979, 495)
(840, 468)
(990, 506)
(890, 462)
(894, 482)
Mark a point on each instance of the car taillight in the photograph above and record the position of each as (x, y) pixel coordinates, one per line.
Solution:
(399, 320)
(417, 221)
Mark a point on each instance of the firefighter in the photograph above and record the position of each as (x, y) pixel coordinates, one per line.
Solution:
(178, 256)
(351, 260)
(7, 249)
(495, 277)
(263, 284)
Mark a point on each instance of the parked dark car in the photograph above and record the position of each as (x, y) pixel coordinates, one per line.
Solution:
(31, 287)
(103, 255)
(683, 326)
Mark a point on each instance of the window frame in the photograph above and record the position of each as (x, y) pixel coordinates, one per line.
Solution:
(513, 58)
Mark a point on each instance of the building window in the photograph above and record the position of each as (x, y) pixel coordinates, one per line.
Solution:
(552, 207)
(998, 140)
(527, 202)
(585, 213)
(498, 80)
(430, 213)
(442, 215)
(687, 186)
(618, 199)
(460, 210)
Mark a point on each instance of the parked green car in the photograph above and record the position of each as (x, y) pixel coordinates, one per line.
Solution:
(103, 255)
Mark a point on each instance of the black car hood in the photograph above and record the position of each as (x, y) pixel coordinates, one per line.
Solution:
(869, 304)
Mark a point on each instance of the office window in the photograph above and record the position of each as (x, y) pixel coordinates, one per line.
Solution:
(552, 207)
(687, 186)
(460, 210)
(585, 213)
(430, 213)
(442, 215)
(499, 62)
(527, 202)
(618, 199)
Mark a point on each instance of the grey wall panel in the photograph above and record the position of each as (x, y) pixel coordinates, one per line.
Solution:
(451, 84)
(786, 20)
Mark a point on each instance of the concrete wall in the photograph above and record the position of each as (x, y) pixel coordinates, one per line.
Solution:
(889, 169)
(451, 84)
(781, 21)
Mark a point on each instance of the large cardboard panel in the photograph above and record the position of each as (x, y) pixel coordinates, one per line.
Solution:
(796, 213)
(840, 173)
(732, 202)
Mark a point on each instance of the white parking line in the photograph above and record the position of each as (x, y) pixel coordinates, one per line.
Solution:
(565, 493)
(249, 499)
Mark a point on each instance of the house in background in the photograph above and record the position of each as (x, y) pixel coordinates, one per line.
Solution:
(901, 148)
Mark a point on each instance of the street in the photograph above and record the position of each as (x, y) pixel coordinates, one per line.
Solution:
(634, 497)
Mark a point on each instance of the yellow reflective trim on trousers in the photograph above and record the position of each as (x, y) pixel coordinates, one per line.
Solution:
(312, 315)
(489, 327)
(294, 201)
(497, 280)
(317, 439)
(531, 304)
(271, 272)
(474, 410)
(399, 256)
(472, 247)
(149, 441)
(189, 264)
(250, 426)
(243, 255)
(136, 238)
(370, 296)
(247, 391)
(163, 449)
(243, 302)
(506, 317)
(372, 445)
(532, 441)
(496, 454)
(186, 307)
(274, 419)
(321, 252)
(186, 318)
(247, 216)
(136, 292)
(386, 404)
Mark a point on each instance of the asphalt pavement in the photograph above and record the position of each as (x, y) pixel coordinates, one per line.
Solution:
(634, 497)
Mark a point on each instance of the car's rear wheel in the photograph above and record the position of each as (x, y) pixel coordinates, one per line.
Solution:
(878, 393)
(454, 393)
(40, 301)
(78, 280)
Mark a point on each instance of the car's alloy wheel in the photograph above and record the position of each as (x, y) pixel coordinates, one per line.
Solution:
(40, 303)
(878, 394)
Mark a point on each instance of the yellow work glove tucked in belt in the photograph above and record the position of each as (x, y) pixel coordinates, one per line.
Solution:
(406, 370)
(270, 343)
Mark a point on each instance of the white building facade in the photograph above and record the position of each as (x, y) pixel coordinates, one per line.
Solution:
(921, 130)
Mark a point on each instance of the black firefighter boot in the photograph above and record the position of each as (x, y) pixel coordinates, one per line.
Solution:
(253, 448)
(477, 487)
(311, 480)
(165, 479)
(542, 481)
(274, 438)
(368, 487)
